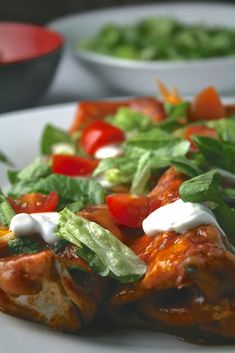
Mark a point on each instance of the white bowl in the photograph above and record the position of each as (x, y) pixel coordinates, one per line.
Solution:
(139, 77)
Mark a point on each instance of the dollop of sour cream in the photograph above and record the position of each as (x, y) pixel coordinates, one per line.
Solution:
(108, 151)
(179, 216)
(44, 224)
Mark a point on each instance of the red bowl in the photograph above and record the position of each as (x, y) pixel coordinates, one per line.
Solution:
(29, 56)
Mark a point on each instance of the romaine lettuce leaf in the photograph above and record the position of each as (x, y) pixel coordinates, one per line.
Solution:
(142, 174)
(219, 154)
(204, 187)
(51, 136)
(129, 120)
(69, 189)
(6, 211)
(152, 139)
(105, 254)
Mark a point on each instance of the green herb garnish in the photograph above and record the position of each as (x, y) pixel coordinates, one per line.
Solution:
(23, 245)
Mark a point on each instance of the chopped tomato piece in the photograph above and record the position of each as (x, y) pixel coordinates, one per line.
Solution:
(35, 202)
(148, 106)
(199, 130)
(207, 105)
(99, 134)
(127, 209)
(88, 112)
(72, 165)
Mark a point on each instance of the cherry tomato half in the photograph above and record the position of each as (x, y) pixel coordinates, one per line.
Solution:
(72, 165)
(99, 134)
(207, 106)
(130, 210)
(199, 130)
(35, 202)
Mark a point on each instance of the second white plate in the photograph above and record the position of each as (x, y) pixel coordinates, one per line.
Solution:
(139, 77)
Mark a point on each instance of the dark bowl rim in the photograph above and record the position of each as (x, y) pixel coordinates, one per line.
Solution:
(58, 47)
(26, 61)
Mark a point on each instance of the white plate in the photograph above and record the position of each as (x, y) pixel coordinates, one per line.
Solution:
(139, 77)
(20, 133)
(19, 138)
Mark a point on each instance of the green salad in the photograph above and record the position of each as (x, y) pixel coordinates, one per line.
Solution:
(161, 38)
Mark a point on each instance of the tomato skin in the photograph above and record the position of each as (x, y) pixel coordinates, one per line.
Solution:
(199, 130)
(206, 105)
(149, 106)
(127, 209)
(88, 112)
(35, 202)
(131, 210)
(99, 134)
(73, 165)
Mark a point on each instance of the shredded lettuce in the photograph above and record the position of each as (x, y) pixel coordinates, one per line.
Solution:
(176, 116)
(152, 139)
(142, 175)
(186, 166)
(123, 169)
(224, 127)
(129, 120)
(23, 245)
(220, 154)
(4, 159)
(105, 254)
(204, 187)
(69, 189)
(6, 211)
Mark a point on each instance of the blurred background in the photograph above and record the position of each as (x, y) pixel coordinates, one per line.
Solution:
(42, 11)
(68, 74)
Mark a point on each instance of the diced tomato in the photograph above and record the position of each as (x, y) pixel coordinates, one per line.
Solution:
(199, 130)
(207, 105)
(73, 165)
(148, 106)
(88, 112)
(35, 202)
(99, 134)
(127, 209)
